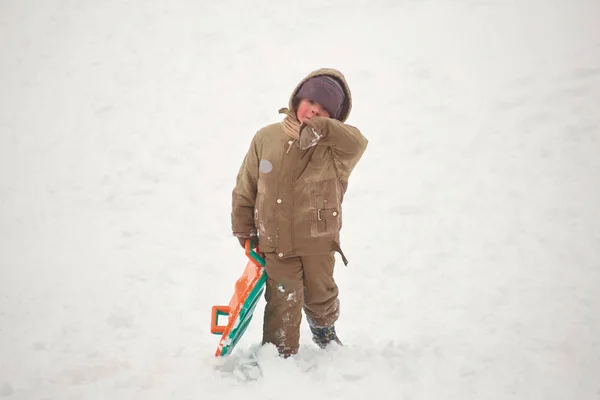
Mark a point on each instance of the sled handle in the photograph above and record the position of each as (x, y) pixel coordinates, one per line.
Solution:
(218, 311)
(254, 255)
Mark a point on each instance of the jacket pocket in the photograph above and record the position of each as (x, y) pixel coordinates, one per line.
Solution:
(325, 208)
(262, 221)
(258, 211)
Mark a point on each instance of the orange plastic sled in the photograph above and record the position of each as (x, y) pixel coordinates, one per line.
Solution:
(248, 289)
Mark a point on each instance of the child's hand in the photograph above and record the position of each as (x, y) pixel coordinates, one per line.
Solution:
(309, 135)
(254, 240)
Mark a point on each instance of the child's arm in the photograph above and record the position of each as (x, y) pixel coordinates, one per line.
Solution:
(346, 141)
(244, 196)
(343, 139)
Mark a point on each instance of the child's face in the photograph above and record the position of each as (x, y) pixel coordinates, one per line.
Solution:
(308, 109)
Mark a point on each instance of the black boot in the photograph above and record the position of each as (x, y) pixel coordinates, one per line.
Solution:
(323, 336)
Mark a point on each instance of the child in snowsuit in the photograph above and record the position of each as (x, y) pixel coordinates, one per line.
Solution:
(289, 193)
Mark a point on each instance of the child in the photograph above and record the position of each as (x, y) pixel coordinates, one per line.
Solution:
(289, 193)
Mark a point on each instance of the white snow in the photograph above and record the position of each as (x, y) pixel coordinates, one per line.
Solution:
(472, 224)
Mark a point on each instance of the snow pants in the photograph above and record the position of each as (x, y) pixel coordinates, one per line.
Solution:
(293, 284)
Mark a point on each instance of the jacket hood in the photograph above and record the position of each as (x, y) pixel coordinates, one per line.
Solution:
(337, 75)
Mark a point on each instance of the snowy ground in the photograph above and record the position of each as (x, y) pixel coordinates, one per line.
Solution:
(472, 224)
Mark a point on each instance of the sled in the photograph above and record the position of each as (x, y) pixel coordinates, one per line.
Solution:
(248, 290)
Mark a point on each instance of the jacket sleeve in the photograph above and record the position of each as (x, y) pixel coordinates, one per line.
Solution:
(244, 195)
(347, 144)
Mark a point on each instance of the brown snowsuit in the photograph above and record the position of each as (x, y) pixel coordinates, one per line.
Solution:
(293, 199)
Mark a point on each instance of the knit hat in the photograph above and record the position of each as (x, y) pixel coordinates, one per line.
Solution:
(324, 90)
